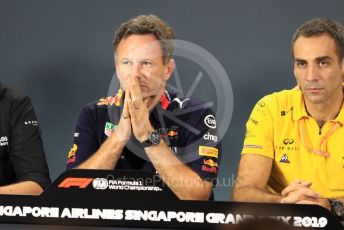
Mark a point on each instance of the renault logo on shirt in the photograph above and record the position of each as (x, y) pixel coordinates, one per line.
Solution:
(3, 141)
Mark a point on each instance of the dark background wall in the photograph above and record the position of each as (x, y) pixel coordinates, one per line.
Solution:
(60, 54)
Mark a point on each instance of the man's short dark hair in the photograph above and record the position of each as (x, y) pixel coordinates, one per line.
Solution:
(319, 26)
(148, 24)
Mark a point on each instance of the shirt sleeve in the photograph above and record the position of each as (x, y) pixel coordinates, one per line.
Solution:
(85, 139)
(259, 130)
(202, 151)
(27, 153)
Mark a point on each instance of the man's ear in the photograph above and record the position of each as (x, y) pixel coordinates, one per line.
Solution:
(169, 68)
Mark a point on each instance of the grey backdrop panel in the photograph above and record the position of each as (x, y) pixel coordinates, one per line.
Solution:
(60, 54)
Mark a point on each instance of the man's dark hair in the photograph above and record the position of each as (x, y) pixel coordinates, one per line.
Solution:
(319, 26)
(148, 24)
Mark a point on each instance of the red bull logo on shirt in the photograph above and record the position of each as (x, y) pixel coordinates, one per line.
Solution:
(71, 155)
(116, 100)
(210, 163)
(106, 101)
(172, 133)
(209, 169)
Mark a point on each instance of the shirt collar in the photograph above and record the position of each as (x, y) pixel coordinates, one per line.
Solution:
(164, 104)
(299, 109)
(340, 117)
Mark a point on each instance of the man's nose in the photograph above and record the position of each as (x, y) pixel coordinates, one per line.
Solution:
(312, 73)
(136, 70)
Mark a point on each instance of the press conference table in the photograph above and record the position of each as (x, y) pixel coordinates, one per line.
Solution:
(58, 227)
(105, 199)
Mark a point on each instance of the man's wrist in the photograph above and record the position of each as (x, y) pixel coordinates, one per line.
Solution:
(145, 134)
(337, 208)
(115, 139)
(161, 143)
(326, 203)
(153, 139)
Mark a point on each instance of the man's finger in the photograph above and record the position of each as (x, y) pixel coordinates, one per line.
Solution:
(310, 193)
(306, 183)
(302, 182)
(296, 186)
(125, 112)
(131, 109)
(308, 202)
(292, 199)
(135, 91)
(297, 181)
(301, 194)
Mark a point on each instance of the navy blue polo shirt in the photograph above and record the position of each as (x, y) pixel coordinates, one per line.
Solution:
(188, 127)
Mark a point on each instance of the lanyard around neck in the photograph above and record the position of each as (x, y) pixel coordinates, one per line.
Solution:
(307, 143)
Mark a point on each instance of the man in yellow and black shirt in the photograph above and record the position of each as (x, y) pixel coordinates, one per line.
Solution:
(293, 150)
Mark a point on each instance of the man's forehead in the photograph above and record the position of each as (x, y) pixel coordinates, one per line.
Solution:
(315, 46)
(137, 44)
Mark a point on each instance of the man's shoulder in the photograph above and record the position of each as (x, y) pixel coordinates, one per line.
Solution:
(98, 112)
(283, 98)
(10, 95)
(178, 102)
(102, 104)
(11, 98)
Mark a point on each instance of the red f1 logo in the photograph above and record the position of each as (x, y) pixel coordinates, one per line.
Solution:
(75, 182)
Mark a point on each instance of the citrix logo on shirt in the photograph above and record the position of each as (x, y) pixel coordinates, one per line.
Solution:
(210, 137)
(3, 141)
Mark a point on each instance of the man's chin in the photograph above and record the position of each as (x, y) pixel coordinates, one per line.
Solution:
(314, 99)
(147, 95)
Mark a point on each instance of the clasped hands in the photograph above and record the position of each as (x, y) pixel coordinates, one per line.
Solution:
(300, 192)
(135, 115)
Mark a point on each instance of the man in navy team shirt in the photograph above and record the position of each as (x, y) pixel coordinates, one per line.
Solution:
(171, 136)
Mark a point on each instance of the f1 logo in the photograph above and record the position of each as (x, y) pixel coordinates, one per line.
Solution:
(75, 182)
